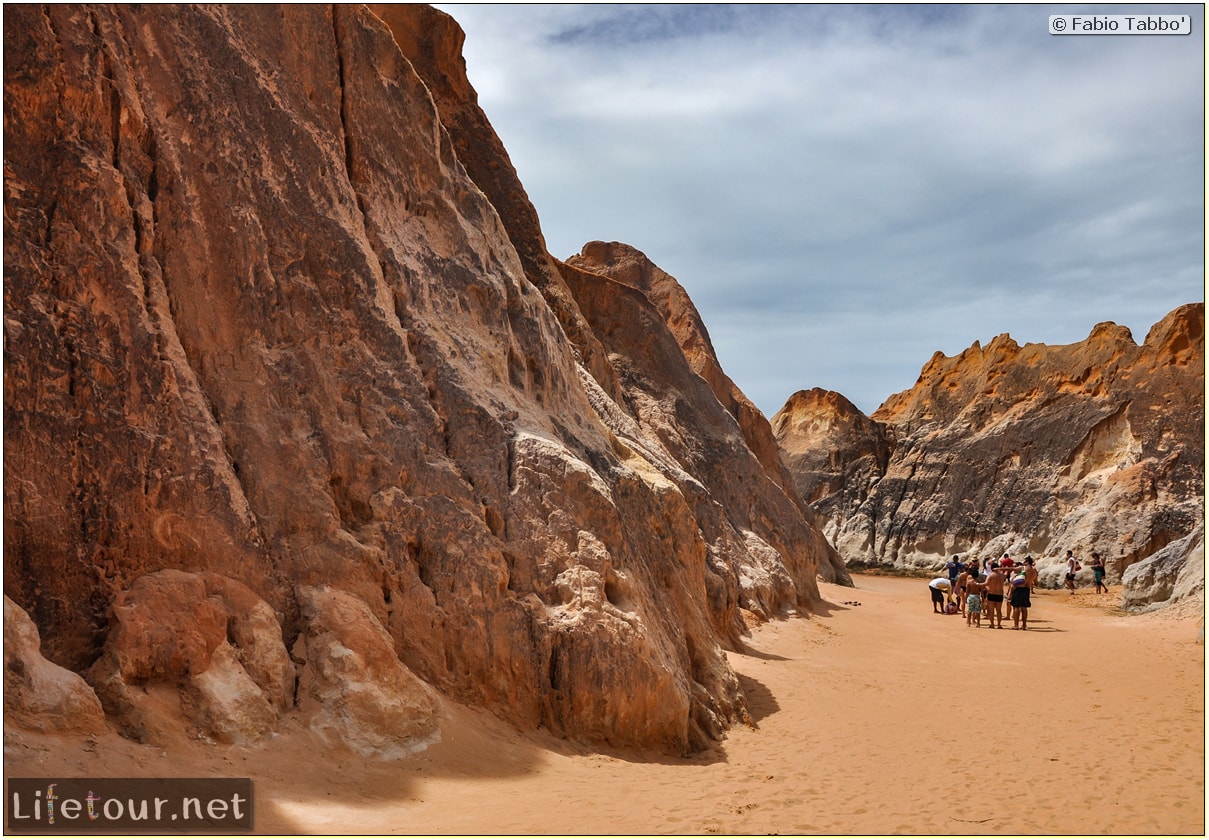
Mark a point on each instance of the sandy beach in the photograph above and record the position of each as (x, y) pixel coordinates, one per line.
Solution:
(877, 718)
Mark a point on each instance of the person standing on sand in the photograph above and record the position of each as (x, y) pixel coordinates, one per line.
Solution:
(1097, 569)
(953, 569)
(1020, 600)
(993, 586)
(939, 587)
(1072, 566)
(973, 606)
(1030, 573)
(1007, 568)
(962, 588)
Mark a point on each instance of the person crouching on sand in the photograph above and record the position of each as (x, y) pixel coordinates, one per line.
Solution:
(939, 587)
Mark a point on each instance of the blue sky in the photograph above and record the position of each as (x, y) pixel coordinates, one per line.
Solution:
(844, 190)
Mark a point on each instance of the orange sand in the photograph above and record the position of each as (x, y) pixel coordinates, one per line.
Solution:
(873, 719)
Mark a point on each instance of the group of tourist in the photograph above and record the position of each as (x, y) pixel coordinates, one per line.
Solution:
(1097, 570)
(973, 591)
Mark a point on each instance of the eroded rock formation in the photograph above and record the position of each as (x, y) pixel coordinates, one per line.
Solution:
(1097, 445)
(627, 265)
(352, 689)
(278, 312)
(39, 694)
(1174, 573)
(194, 646)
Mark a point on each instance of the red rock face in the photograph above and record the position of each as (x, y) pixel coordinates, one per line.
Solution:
(277, 309)
(1034, 450)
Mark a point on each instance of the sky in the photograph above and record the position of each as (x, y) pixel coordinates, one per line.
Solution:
(846, 189)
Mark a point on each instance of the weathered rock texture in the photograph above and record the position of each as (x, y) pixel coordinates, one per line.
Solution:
(627, 265)
(1034, 450)
(277, 309)
(353, 689)
(197, 646)
(39, 694)
(1174, 573)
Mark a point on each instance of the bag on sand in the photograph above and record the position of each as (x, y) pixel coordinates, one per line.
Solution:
(951, 609)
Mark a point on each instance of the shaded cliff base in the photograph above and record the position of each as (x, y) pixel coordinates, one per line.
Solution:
(844, 704)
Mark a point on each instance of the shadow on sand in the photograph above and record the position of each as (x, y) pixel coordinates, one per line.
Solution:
(760, 701)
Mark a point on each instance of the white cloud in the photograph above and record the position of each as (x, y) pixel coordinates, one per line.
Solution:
(845, 189)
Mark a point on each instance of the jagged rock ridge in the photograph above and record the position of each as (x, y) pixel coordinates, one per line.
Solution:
(1037, 449)
(279, 318)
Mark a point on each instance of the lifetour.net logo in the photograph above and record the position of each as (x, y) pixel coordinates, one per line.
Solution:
(86, 806)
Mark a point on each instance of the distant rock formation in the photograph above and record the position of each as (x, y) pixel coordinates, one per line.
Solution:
(1097, 445)
(279, 313)
(835, 453)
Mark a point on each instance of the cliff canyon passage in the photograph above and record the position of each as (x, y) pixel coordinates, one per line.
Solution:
(315, 457)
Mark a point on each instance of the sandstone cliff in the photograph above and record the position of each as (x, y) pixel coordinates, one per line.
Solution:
(1097, 445)
(626, 264)
(279, 318)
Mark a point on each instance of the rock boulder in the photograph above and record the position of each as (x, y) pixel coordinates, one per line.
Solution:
(194, 647)
(1174, 573)
(38, 694)
(352, 688)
